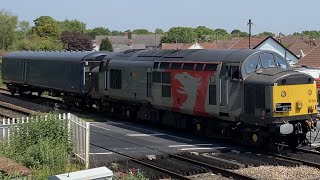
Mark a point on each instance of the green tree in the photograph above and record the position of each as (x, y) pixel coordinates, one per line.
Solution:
(72, 25)
(159, 31)
(141, 31)
(203, 33)
(46, 26)
(180, 35)
(116, 33)
(8, 24)
(23, 30)
(106, 45)
(266, 34)
(128, 33)
(98, 31)
(36, 43)
(238, 33)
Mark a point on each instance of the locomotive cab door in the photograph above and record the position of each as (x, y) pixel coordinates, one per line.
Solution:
(229, 82)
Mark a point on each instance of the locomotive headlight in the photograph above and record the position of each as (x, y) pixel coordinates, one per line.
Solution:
(309, 91)
(283, 94)
(299, 105)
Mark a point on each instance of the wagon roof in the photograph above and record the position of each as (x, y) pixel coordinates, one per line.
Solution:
(57, 55)
(194, 55)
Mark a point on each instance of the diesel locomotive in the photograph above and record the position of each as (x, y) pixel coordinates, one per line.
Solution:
(246, 94)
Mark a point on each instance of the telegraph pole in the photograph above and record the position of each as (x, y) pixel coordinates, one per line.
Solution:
(250, 24)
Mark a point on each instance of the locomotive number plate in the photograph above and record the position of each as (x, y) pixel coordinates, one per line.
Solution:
(283, 107)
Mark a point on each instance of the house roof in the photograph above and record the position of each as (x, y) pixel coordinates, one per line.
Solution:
(227, 44)
(244, 43)
(312, 58)
(148, 40)
(124, 47)
(299, 46)
(112, 39)
(176, 45)
(270, 37)
(209, 45)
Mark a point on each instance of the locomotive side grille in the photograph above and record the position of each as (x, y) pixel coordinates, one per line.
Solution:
(254, 98)
(249, 99)
(212, 95)
(260, 97)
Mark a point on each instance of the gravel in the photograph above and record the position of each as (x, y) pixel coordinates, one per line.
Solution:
(281, 172)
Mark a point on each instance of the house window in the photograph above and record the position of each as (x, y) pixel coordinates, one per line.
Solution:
(166, 91)
(115, 78)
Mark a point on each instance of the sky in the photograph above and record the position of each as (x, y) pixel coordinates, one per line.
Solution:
(285, 16)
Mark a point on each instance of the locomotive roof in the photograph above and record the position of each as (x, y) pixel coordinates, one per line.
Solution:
(195, 55)
(57, 55)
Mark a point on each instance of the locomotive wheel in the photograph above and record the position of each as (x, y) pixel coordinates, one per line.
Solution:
(199, 129)
(40, 93)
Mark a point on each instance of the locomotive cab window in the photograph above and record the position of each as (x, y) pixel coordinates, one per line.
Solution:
(252, 64)
(280, 63)
(234, 73)
(267, 60)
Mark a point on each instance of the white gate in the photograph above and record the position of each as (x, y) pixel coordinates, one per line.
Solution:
(79, 132)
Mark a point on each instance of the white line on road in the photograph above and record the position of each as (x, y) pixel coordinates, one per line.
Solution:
(142, 129)
(100, 127)
(198, 148)
(101, 153)
(189, 145)
(144, 135)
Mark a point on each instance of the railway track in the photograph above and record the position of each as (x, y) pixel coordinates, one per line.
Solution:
(177, 166)
(192, 165)
(8, 110)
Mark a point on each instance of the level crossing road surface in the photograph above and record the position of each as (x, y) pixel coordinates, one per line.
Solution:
(141, 141)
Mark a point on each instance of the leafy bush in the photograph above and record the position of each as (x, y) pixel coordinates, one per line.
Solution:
(42, 145)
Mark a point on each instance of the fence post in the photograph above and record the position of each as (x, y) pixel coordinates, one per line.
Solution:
(87, 145)
(3, 128)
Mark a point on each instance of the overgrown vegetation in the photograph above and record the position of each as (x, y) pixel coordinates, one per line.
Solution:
(42, 146)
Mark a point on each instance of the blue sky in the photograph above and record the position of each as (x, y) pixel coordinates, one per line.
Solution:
(286, 16)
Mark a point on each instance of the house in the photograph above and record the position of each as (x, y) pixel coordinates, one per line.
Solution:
(272, 44)
(188, 46)
(300, 48)
(312, 59)
(137, 41)
(151, 41)
(243, 43)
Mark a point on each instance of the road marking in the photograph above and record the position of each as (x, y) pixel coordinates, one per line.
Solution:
(142, 129)
(101, 153)
(100, 127)
(197, 148)
(144, 135)
(189, 145)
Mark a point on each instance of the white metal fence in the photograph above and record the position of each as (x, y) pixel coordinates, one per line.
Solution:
(79, 132)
